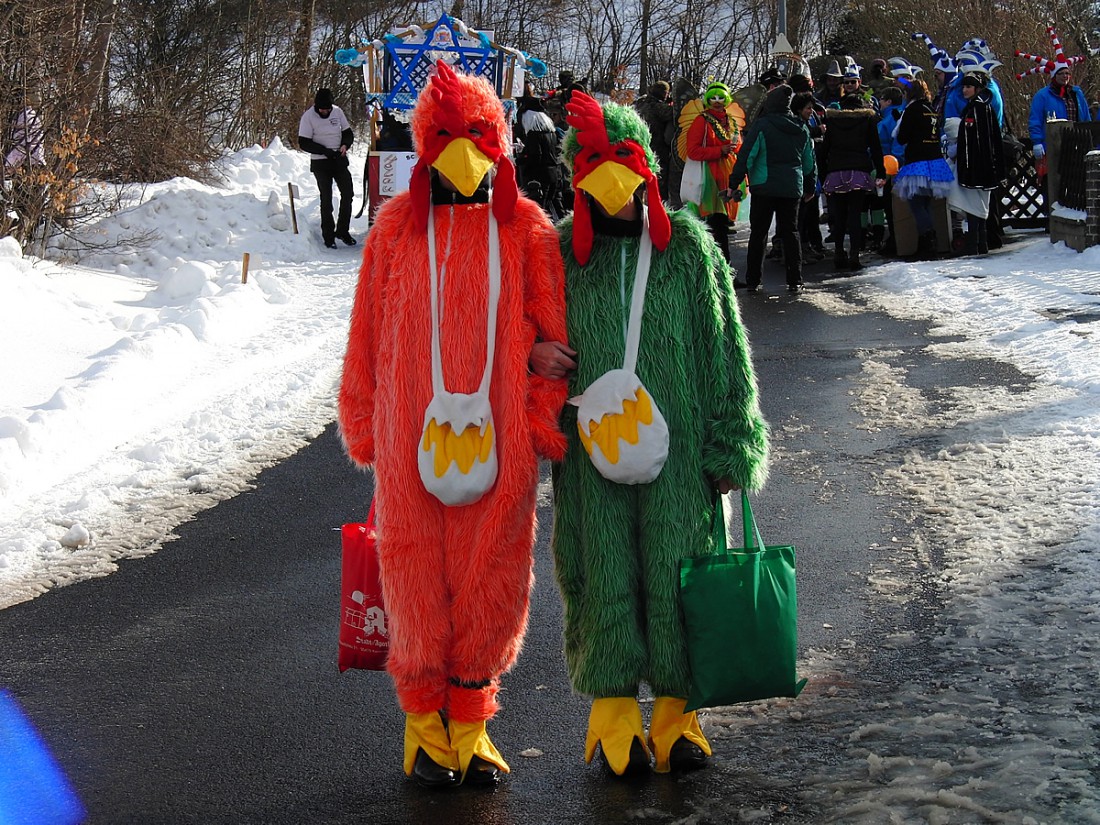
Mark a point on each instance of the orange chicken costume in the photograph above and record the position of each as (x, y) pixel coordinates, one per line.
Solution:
(456, 579)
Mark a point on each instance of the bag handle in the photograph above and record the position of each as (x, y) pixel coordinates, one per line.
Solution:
(748, 518)
(718, 525)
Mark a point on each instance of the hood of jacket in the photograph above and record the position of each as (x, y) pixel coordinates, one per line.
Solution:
(849, 120)
(778, 101)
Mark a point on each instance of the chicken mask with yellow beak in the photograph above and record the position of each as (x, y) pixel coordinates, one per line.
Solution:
(608, 149)
(458, 128)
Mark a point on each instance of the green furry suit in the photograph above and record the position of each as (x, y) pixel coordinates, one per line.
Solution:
(617, 547)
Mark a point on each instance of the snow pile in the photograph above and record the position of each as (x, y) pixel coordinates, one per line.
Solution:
(146, 382)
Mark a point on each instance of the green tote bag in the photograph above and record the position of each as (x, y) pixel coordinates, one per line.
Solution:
(740, 617)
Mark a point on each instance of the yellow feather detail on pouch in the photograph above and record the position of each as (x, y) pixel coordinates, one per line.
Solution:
(607, 432)
(462, 449)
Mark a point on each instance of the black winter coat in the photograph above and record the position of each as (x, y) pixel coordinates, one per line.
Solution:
(979, 157)
(851, 142)
(919, 132)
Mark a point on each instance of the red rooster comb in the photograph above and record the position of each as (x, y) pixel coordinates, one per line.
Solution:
(589, 122)
(448, 108)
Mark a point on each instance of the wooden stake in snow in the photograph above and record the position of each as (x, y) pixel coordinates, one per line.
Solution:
(244, 269)
(293, 215)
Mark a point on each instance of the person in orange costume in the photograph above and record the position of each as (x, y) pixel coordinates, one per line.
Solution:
(713, 137)
(456, 579)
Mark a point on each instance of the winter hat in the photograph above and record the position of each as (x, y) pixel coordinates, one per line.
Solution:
(879, 64)
(833, 69)
(715, 89)
(455, 107)
(973, 79)
(323, 100)
(595, 139)
(1046, 65)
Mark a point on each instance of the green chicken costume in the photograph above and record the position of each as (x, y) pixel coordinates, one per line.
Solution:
(617, 544)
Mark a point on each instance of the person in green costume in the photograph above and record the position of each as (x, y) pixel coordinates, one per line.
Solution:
(617, 543)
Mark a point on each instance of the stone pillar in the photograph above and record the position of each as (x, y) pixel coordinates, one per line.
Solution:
(1092, 198)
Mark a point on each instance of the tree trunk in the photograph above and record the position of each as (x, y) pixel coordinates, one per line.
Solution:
(301, 52)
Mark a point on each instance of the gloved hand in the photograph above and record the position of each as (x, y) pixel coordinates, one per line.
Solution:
(737, 195)
(1038, 150)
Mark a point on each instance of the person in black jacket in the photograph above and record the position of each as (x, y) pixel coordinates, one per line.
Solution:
(539, 163)
(851, 163)
(979, 161)
(777, 155)
(925, 174)
(325, 133)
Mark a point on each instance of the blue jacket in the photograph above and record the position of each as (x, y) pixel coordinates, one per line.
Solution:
(1047, 105)
(890, 117)
(955, 103)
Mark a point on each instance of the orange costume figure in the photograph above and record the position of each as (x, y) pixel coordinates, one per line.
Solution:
(459, 279)
(714, 136)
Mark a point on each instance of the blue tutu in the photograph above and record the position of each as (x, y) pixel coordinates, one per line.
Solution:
(930, 178)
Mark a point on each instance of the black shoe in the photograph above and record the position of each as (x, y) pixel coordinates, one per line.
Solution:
(794, 289)
(840, 259)
(854, 263)
(739, 284)
(752, 287)
(811, 254)
(685, 755)
(330, 244)
(428, 774)
(347, 239)
(638, 763)
(775, 253)
(481, 773)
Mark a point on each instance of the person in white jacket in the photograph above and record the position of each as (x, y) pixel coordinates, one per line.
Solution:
(325, 133)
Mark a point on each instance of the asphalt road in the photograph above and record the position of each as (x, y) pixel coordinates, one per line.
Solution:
(199, 685)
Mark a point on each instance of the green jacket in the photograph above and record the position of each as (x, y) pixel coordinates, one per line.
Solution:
(777, 153)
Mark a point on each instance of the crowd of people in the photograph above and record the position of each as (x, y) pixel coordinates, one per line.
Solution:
(895, 155)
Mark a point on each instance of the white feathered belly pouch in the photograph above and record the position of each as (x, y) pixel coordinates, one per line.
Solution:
(458, 451)
(622, 428)
(620, 425)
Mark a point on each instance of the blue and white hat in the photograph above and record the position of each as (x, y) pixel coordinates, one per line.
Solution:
(900, 67)
(941, 60)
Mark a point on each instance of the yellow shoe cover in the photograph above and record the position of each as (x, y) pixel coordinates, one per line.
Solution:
(470, 739)
(425, 730)
(614, 724)
(668, 724)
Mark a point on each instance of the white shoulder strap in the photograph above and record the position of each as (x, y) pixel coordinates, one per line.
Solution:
(637, 298)
(438, 384)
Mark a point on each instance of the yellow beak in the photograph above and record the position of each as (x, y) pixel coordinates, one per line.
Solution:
(463, 164)
(612, 184)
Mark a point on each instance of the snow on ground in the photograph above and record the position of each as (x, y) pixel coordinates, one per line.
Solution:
(1004, 502)
(145, 382)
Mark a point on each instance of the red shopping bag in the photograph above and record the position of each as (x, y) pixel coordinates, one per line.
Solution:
(364, 636)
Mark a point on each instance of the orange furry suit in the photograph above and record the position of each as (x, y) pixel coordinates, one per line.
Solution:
(456, 580)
